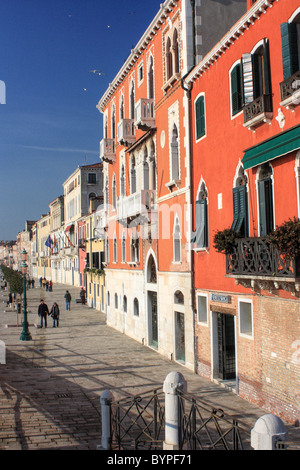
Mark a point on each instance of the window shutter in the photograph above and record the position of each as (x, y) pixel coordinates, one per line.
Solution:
(262, 209)
(267, 69)
(200, 117)
(236, 90)
(240, 219)
(289, 47)
(235, 197)
(248, 78)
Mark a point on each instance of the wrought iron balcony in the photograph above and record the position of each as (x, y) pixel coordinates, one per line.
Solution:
(258, 111)
(290, 91)
(136, 205)
(144, 114)
(108, 150)
(126, 132)
(255, 259)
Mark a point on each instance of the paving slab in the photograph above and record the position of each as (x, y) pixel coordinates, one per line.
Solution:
(50, 387)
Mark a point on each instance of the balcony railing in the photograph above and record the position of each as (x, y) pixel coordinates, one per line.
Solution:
(258, 111)
(256, 257)
(144, 114)
(135, 205)
(126, 132)
(108, 150)
(290, 90)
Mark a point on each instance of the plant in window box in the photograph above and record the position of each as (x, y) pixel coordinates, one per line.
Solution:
(86, 270)
(286, 239)
(225, 241)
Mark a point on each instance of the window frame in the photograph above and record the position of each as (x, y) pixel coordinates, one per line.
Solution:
(241, 333)
(205, 320)
(200, 98)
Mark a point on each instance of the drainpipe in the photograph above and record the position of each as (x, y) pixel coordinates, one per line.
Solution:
(188, 92)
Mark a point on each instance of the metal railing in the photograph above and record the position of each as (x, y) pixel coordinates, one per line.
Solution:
(289, 86)
(206, 428)
(256, 256)
(138, 422)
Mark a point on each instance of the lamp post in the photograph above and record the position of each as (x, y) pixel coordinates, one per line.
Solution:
(25, 335)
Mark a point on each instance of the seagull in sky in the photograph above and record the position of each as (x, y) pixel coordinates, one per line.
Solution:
(97, 72)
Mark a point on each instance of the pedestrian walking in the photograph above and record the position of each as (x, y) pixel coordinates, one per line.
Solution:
(68, 300)
(54, 312)
(50, 286)
(32, 283)
(10, 300)
(82, 296)
(43, 311)
(41, 281)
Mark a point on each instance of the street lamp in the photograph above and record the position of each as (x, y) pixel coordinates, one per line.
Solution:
(25, 335)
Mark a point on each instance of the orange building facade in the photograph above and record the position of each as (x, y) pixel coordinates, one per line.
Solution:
(245, 167)
(145, 152)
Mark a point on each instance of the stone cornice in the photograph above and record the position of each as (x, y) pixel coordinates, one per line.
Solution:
(143, 43)
(253, 14)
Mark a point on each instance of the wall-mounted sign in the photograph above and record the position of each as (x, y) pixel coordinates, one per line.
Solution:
(220, 298)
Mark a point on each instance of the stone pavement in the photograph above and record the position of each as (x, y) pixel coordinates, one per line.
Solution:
(50, 387)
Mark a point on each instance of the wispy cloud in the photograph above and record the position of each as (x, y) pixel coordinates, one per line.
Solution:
(59, 149)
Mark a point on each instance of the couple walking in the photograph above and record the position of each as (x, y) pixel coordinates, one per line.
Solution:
(43, 311)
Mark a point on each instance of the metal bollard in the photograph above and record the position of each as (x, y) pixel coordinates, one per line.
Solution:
(106, 401)
(173, 382)
(268, 433)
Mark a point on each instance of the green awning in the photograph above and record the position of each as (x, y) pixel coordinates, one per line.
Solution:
(278, 146)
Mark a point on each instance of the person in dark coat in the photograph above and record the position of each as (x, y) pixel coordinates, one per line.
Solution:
(54, 312)
(68, 300)
(82, 296)
(43, 311)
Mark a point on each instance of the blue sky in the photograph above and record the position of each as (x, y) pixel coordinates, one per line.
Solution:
(50, 124)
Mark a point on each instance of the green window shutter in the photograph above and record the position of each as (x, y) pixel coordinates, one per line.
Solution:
(257, 76)
(236, 89)
(267, 69)
(240, 218)
(289, 46)
(200, 117)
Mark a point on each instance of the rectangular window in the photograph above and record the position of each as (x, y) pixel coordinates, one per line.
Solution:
(245, 318)
(202, 308)
(200, 117)
(92, 178)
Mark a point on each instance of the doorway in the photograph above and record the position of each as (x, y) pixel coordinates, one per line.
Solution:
(153, 326)
(225, 360)
(179, 337)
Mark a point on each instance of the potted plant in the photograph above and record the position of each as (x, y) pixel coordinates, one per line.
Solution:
(286, 239)
(225, 241)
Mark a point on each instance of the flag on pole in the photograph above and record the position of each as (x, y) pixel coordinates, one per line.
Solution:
(48, 242)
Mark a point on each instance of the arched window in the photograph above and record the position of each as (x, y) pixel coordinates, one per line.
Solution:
(176, 241)
(107, 250)
(200, 237)
(125, 304)
(169, 62)
(122, 181)
(122, 107)
(150, 78)
(240, 204)
(136, 309)
(113, 123)
(179, 298)
(146, 169)
(123, 248)
(176, 51)
(132, 100)
(290, 38)
(114, 192)
(151, 271)
(115, 249)
(265, 199)
(174, 154)
(105, 128)
(133, 175)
